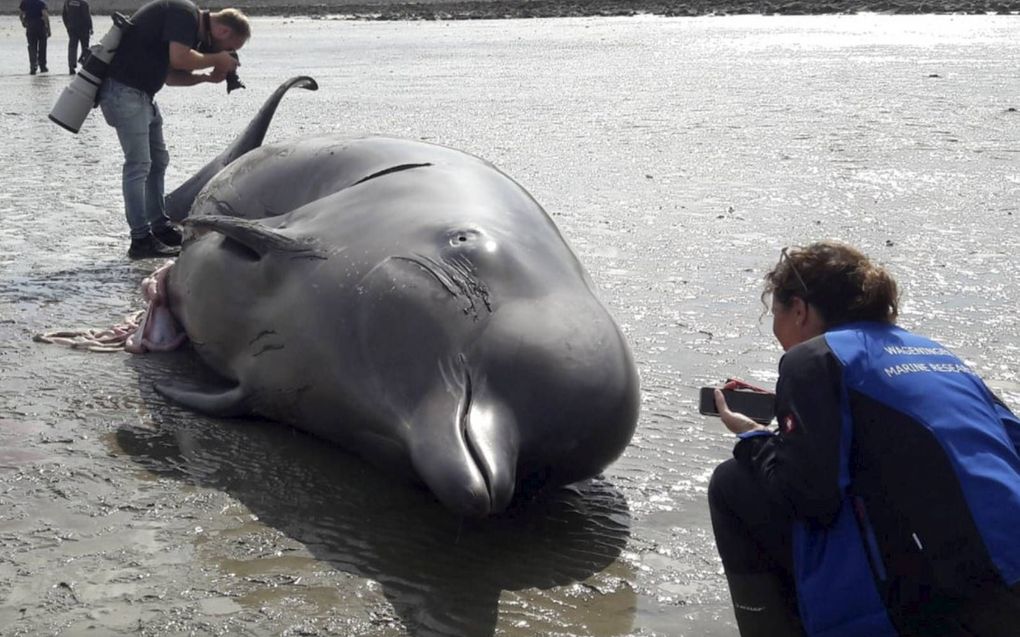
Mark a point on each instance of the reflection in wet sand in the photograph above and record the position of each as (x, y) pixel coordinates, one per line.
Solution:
(442, 575)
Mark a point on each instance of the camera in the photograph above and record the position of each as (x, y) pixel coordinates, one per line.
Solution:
(234, 82)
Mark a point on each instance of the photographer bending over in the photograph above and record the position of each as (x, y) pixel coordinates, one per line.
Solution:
(169, 40)
(889, 500)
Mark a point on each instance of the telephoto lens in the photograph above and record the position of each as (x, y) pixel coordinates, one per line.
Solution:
(80, 96)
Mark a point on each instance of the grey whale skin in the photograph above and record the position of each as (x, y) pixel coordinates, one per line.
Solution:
(407, 301)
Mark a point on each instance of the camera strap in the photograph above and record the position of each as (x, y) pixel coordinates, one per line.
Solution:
(205, 43)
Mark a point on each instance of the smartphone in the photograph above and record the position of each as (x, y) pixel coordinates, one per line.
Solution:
(757, 406)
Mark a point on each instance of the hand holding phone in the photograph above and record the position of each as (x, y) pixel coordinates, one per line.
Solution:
(756, 405)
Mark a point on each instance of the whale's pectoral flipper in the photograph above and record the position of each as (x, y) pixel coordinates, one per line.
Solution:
(178, 203)
(254, 237)
(229, 402)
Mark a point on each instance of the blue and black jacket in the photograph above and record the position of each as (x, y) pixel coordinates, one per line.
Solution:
(902, 472)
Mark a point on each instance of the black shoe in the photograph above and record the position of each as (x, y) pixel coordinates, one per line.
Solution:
(168, 236)
(149, 248)
(31, 71)
(43, 69)
(71, 72)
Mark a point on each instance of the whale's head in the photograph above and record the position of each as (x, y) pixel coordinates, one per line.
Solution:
(423, 311)
(509, 373)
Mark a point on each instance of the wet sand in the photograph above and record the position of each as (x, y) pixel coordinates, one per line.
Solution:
(676, 155)
(497, 9)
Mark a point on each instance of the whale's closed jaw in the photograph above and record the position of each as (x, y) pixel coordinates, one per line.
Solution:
(491, 435)
(465, 447)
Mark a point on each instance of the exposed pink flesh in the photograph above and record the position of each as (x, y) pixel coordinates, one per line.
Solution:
(158, 330)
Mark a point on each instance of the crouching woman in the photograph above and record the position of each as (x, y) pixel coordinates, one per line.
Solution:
(888, 501)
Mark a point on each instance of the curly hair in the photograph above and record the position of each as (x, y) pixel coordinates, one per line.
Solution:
(838, 280)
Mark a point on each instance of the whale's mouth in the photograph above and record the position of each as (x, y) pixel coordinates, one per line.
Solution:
(465, 446)
(490, 437)
(473, 447)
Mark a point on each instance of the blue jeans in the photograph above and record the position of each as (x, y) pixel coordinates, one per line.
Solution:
(140, 130)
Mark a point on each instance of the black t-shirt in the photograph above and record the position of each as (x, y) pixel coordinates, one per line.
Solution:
(33, 9)
(143, 57)
(77, 17)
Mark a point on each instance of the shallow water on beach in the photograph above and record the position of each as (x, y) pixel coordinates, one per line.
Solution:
(677, 157)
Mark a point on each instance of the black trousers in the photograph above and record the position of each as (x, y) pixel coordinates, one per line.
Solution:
(754, 541)
(73, 41)
(35, 31)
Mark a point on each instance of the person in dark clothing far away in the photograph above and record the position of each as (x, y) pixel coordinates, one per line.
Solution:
(169, 41)
(888, 501)
(77, 18)
(35, 18)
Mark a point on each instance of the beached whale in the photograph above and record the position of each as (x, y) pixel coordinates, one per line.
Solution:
(409, 302)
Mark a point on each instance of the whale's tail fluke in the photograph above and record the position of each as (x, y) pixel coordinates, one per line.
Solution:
(178, 203)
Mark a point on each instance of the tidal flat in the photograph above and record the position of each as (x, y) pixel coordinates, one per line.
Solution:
(676, 155)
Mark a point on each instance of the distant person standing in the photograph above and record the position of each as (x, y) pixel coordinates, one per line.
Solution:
(78, 21)
(36, 19)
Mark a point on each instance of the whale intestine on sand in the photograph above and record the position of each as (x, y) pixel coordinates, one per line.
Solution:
(405, 300)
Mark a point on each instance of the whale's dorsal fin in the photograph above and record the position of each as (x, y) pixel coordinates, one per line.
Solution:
(254, 237)
(178, 203)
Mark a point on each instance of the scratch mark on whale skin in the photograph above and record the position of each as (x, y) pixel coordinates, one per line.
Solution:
(458, 279)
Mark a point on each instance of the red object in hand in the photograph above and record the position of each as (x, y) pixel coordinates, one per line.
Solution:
(736, 383)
